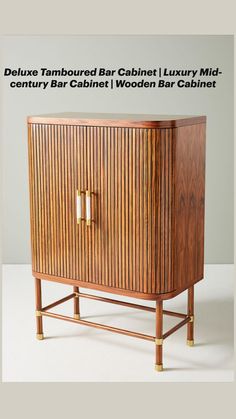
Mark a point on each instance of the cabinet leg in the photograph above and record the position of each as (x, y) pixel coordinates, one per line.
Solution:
(39, 319)
(159, 335)
(190, 325)
(76, 304)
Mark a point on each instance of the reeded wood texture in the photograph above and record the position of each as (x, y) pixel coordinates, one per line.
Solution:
(188, 210)
(129, 170)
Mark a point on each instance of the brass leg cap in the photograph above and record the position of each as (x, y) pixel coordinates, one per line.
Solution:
(77, 316)
(159, 367)
(40, 336)
(190, 342)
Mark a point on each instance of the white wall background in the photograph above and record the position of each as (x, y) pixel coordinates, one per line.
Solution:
(113, 52)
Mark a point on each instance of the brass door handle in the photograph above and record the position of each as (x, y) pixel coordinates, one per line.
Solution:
(78, 207)
(79, 217)
(88, 208)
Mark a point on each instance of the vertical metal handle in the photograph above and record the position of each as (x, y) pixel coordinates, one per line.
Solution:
(88, 208)
(78, 207)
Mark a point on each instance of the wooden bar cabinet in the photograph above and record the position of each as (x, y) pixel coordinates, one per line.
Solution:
(117, 205)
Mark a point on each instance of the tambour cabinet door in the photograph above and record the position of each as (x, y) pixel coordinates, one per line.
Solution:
(61, 164)
(133, 171)
(53, 164)
(129, 174)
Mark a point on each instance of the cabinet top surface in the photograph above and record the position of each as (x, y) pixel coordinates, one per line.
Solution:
(117, 120)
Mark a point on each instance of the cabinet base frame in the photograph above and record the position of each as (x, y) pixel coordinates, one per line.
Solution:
(158, 339)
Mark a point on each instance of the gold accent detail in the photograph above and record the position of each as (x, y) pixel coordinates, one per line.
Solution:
(76, 294)
(159, 342)
(38, 313)
(190, 342)
(159, 367)
(191, 319)
(77, 316)
(40, 336)
(88, 195)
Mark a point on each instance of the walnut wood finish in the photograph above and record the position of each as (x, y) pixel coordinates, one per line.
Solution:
(38, 299)
(158, 310)
(145, 178)
(56, 303)
(117, 120)
(189, 198)
(147, 206)
(76, 302)
(126, 304)
(100, 326)
(159, 334)
(129, 171)
(113, 290)
(176, 327)
(159, 320)
(190, 327)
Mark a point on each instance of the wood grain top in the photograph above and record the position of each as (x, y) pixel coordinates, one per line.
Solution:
(117, 120)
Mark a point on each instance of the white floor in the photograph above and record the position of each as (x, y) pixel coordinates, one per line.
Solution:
(72, 352)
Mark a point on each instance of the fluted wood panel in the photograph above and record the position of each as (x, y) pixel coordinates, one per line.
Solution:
(129, 172)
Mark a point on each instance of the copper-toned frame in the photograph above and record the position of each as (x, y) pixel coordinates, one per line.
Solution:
(158, 338)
